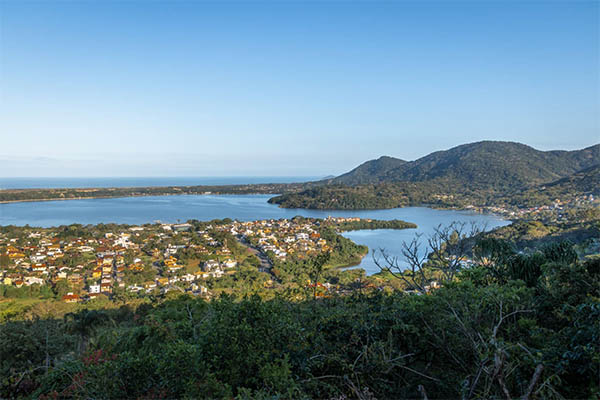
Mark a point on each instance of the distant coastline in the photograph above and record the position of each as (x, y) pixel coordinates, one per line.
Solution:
(21, 183)
(32, 195)
(118, 197)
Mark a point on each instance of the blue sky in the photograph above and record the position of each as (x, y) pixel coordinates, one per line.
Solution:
(287, 88)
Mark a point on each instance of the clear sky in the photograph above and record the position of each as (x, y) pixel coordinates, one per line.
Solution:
(280, 88)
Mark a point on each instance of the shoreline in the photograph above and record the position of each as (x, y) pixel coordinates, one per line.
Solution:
(266, 191)
(8, 196)
(271, 189)
(352, 264)
(133, 195)
(477, 210)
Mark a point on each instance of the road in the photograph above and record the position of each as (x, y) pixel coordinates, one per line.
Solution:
(265, 264)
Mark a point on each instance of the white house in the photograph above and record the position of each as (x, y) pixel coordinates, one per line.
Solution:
(32, 280)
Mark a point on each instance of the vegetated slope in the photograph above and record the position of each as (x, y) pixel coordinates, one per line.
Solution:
(585, 181)
(531, 235)
(488, 164)
(373, 171)
(338, 197)
(582, 183)
(482, 173)
(504, 317)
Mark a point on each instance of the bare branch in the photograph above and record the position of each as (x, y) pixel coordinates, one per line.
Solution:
(419, 373)
(534, 380)
(446, 248)
(498, 364)
(421, 389)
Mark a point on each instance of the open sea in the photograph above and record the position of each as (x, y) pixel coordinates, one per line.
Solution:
(49, 183)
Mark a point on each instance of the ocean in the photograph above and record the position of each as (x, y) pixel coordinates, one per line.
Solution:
(49, 183)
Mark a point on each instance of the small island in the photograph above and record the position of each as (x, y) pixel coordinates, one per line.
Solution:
(355, 224)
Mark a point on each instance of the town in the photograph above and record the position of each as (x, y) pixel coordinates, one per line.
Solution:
(80, 263)
(565, 210)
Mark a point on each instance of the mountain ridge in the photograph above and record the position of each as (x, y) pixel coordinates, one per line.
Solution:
(482, 173)
(483, 164)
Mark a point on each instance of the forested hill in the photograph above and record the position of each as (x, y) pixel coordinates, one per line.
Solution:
(373, 171)
(584, 182)
(483, 174)
(487, 164)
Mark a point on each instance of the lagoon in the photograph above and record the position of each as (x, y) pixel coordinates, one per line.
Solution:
(179, 208)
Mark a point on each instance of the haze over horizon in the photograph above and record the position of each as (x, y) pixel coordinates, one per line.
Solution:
(185, 162)
(287, 89)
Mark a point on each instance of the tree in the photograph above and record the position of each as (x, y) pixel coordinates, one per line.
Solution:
(61, 288)
(316, 270)
(443, 255)
(4, 259)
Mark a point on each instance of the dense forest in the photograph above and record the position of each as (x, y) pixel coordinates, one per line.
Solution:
(380, 196)
(442, 193)
(511, 326)
(374, 224)
(486, 164)
(480, 174)
(582, 182)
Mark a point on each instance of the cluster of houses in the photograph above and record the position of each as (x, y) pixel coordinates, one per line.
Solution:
(551, 212)
(93, 266)
(155, 258)
(40, 259)
(282, 238)
(99, 265)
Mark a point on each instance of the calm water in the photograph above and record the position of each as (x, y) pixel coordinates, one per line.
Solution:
(45, 183)
(138, 210)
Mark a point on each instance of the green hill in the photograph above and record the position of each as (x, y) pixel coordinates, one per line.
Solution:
(488, 164)
(584, 182)
(373, 171)
(483, 173)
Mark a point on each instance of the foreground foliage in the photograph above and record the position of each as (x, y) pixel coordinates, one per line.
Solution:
(509, 327)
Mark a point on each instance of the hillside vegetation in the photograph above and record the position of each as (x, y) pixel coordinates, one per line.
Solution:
(482, 164)
(514, 326)
(585, 182)
(482, 174)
